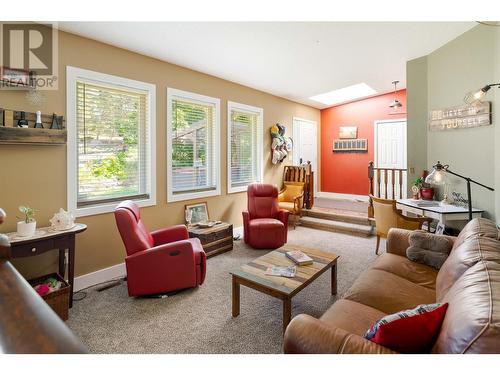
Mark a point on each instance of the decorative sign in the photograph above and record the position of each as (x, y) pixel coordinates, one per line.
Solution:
(350, 145)
(465, 116)
(348, 132)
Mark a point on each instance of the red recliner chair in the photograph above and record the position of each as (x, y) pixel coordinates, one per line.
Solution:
(265, 226)
(161, 261)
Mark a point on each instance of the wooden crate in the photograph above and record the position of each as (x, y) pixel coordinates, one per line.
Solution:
(215, 240)
(58, 300)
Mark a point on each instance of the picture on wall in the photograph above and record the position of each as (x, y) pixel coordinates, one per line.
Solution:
(348, 132)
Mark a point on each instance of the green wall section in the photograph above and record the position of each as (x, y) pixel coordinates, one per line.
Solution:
(466, 63)
(416, 118)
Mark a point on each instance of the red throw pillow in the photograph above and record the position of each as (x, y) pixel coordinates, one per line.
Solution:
(409, 331)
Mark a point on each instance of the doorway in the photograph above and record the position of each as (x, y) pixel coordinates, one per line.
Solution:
(305, 148)
(391, 153)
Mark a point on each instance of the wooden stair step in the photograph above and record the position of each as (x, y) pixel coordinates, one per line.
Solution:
(337, 226)
(334, 216)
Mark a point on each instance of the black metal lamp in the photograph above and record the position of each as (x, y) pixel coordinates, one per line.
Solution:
(437, 178)
(476, 96)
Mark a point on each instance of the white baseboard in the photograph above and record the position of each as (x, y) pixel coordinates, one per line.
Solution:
(100, 276)
(353, 197)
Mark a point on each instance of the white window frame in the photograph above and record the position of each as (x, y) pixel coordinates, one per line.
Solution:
(199, 99)
(260, 143)
(74, 75)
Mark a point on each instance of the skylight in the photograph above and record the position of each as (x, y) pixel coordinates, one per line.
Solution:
(361, 90)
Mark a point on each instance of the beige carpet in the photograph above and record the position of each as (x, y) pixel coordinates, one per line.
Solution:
(199, 320)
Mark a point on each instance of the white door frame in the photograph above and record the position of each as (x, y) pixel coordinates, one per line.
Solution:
(296, 142)
(405, 145)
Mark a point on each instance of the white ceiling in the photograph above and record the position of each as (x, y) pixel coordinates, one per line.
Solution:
(294, 60)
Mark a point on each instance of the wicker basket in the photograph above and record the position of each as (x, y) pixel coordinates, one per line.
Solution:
(57, 300)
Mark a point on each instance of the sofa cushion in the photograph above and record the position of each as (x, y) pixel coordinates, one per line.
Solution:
(461, 258)
(419, 274)
(477, 227)
(429, 249)
(388, 292)
(351, 316)
(472, 322)
(409, 331)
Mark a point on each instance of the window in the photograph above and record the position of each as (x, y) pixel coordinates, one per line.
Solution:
(245, 142)
(193, 150)
(111, 150)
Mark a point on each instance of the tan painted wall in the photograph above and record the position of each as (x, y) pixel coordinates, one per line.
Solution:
(36, 175)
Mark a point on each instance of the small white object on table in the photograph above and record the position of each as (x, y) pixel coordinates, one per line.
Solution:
(440, 212)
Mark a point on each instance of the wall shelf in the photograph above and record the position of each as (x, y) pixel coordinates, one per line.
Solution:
(11, 134)
(21, 136)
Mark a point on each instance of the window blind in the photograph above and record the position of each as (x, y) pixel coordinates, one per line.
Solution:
(244, 148)
(193, 146)
(112, 131)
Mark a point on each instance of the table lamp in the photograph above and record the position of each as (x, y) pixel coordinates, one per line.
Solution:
(437, 177)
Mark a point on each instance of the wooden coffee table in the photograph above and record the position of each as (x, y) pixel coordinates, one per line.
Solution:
(253, 275)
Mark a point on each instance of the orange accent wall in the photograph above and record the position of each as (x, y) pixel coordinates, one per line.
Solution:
(347, 172)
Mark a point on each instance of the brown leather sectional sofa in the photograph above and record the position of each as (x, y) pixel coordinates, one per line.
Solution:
(469, 281)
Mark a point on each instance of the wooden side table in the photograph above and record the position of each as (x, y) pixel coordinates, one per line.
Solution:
(215, 240)
(46, 239)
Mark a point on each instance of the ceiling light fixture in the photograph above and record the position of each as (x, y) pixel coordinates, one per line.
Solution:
(349, 93)
(395, 104)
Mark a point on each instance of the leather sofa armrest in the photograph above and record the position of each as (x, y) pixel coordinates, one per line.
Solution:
(246, 222)
(398, 240)
(283, 216)
(170, 234)
(308, 335)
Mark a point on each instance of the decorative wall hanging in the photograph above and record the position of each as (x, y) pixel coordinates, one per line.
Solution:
(350, 145)
(464, 116)
(280, 145)
(348, 132)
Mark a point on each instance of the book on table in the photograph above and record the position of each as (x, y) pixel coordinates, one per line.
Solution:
(284, 271)
(299, 257)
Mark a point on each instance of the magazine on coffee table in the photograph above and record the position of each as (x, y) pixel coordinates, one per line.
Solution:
(299, 257)
(289, 271)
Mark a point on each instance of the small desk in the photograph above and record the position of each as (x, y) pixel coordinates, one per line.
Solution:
(442, 213)
(46, 239)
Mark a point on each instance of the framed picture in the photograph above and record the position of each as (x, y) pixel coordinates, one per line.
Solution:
(440, 228)
(348, 132)
(196, 213)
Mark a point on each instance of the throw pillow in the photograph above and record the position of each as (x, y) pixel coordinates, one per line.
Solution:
(428, 249)
(409, 331)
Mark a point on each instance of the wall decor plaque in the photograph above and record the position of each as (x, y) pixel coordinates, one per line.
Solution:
(461, 117)
(350, 145)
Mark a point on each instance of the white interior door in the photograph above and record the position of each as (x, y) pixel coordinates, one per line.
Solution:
(390, 153)
(305, 145)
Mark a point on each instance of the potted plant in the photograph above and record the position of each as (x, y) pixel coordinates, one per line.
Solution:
(415, 187)
(26, 227)
(422, 189)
